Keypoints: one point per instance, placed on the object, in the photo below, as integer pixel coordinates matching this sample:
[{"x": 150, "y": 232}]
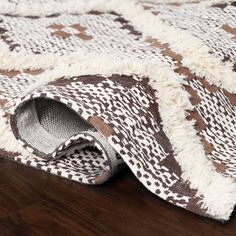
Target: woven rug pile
[{"x": 89, "y": 86}]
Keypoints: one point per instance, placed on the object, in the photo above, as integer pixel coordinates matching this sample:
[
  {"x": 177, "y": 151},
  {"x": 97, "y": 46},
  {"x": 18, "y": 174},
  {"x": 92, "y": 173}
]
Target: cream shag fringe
[
  {"x": 219, "y": 192},
  {"x": 73, "y": 6},
  {"x": 199, "y": 60}
]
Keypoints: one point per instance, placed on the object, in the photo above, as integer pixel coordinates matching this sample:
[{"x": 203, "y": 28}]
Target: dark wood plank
[
  {"x": 49, "y": 217},
  {"x": 16, "y": 191},
  {"x": 120, "y": 207}
]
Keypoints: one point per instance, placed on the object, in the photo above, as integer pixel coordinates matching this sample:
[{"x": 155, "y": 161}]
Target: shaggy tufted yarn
[{"x": 88, "y": 86}]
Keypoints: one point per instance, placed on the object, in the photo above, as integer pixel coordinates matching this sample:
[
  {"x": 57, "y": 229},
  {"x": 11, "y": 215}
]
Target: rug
[{"x": 90, "y": 86}]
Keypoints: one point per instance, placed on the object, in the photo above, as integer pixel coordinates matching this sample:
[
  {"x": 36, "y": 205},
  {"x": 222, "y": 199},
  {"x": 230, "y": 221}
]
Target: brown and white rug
[{"x": 88, "y": 86}]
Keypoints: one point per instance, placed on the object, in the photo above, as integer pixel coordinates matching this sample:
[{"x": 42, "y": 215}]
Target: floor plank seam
[{"x": 21, "y": 209}]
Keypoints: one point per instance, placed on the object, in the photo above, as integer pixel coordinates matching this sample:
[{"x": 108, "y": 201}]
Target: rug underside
[{"x": 89, "y": 86}]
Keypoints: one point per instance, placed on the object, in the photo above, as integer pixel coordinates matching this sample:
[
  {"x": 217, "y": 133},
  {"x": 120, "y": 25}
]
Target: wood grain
[{"x": 35, "y": 203}]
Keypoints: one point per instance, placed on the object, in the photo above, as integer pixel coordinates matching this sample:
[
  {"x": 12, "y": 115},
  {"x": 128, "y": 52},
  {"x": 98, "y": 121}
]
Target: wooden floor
[{"x": 35, "y": 203}]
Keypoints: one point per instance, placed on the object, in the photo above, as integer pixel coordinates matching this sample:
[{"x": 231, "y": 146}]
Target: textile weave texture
[{"x": 90, "y": 86}]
